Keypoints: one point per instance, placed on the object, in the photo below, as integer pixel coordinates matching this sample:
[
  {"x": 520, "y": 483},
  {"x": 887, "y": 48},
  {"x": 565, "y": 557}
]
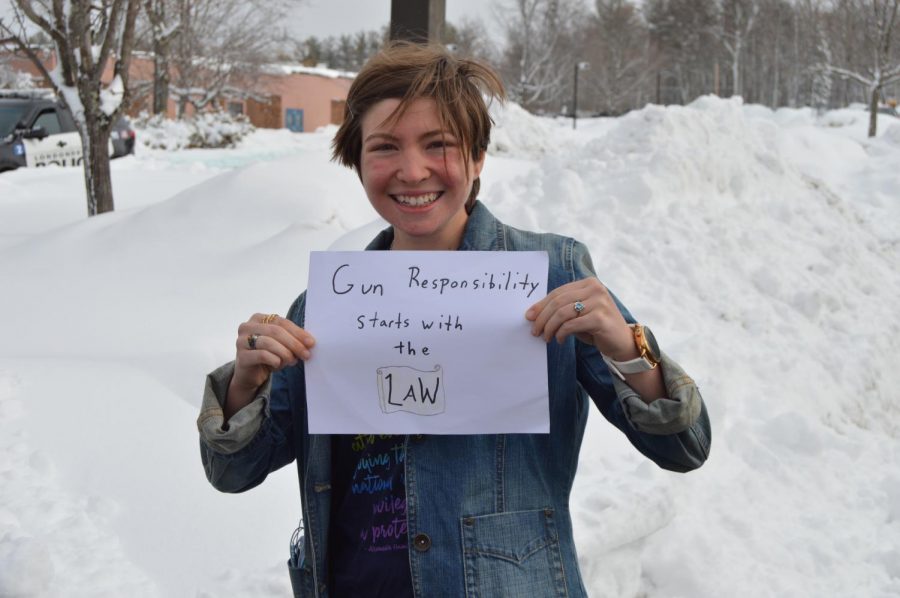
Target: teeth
[{"x": 417, "y": 200}]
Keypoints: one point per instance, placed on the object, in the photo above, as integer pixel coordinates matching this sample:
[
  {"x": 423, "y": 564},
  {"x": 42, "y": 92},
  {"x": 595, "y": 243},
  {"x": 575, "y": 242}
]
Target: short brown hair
[{"x": 408, "y": 72}]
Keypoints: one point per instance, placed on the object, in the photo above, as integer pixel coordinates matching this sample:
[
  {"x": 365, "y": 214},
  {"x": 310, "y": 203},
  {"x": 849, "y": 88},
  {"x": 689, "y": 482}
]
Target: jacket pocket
[
  {"x": 302, "y": 581},
  {"x": 512, "y": 555}
]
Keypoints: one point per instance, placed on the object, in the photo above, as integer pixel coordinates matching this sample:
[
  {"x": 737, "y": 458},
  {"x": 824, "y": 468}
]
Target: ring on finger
[
  {"x": 578, "y": 307},
  {"x": 270, "y": 318},
  {"x": 251, "y": 340}
]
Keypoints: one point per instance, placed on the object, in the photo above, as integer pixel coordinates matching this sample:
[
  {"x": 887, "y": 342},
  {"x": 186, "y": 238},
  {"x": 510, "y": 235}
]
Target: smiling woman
[
  {"x": 415, "y": 176},
  {"x": 472, "y": 515},
  {"x": 417, "y": 131}
]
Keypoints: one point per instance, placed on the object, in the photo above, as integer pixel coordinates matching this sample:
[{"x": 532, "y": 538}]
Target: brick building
[{"x": 292, "y": 96}]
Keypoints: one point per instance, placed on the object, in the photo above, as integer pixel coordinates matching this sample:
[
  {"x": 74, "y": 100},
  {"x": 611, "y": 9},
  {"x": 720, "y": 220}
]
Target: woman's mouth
[{"x": 418, "y": 200}]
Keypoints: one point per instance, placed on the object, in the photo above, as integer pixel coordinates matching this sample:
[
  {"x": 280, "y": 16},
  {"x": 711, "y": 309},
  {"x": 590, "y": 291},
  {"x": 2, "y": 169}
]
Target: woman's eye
[
  {"x": 440, "y": 144},
  {"x": 381, "y": 147}
]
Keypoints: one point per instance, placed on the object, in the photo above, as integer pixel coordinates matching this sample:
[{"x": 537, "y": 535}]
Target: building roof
[{"x": 319, "y": 71}]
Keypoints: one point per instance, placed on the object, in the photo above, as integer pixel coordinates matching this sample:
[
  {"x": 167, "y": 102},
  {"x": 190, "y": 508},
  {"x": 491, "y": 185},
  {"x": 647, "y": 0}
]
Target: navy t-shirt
[{"x": 367, "y": 543}]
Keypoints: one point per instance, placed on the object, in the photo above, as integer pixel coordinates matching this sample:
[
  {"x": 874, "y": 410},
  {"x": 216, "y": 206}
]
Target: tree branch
[
  {"x": 34, "y": 17},
  {"x": 123, "y": 63},
  {"x": 891, "y": 77},
  {"x": 108, "y": 33},
  {"x": 848, "y": 74}
]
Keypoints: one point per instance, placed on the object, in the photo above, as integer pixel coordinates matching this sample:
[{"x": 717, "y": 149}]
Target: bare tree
[
  {"x": 821, "y": 85},
  {"x": 881, "y": 22},
  {"x": 681, "y": 38},
  {"x": 468, "y": 38},
  {"x": 537, "y": 61},
  {"x": 221, "y": 48},
  {"x": 617, "y": 44},
  {"x": 736, "y": 21},
  {"x": 164, "y": 25},
  {"x": 771, "y": 51},
  {"x": 345, "y": 52},
  {"x": 86, "y": 35},
  {"x": 805, "y": 45}
]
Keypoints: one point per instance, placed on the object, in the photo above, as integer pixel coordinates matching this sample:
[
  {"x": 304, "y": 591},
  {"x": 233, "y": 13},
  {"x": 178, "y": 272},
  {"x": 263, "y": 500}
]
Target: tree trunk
[
  {"x": 775, "y": 67},
  {"x": 162, "y": 39},
  {"x": 97, "y": 178},
  {"x": 716, "y": 83},
  {"x": 160, "y": 78},
  {"x": 736, "y": 71},
  {"x": 873, "y": 112},
  {"x": 97, "y": 33}
]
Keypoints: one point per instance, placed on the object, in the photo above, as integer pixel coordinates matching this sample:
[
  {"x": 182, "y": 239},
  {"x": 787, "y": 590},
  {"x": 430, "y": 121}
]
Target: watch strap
[
  {"x": 632, "y": 366},
  {"x": 646, "y": 361}
]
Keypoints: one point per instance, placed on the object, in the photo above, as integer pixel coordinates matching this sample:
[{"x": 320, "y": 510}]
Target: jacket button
[
  {"x": 469, "y": 521},
  {"x": 422, "y": 542},
  {"x": 418, "y": 438}
]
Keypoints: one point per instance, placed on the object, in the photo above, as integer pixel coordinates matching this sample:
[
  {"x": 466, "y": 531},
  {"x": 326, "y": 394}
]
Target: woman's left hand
[{"x": 599, "y": 322}]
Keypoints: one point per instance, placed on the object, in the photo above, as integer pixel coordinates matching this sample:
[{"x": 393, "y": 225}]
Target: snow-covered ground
[{"x": 762, "y": 247}]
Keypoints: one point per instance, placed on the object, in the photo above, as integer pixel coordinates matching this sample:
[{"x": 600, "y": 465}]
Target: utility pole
[{"x": 419, "y": 21}]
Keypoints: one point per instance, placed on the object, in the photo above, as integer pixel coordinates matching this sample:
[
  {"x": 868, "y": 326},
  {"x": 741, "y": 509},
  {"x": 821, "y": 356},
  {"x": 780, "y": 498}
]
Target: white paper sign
[{"x": 426, "y": 342}]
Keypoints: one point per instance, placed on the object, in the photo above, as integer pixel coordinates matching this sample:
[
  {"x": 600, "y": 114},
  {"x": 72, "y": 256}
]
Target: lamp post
[{"x": 579, "y": 66}]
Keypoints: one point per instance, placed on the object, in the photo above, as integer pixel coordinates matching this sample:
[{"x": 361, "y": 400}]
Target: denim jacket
[{"x": 488, "y": 515}]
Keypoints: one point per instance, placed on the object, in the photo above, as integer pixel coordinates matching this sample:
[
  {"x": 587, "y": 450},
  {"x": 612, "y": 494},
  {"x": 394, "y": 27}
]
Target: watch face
[{"x": 652, "y": 345}]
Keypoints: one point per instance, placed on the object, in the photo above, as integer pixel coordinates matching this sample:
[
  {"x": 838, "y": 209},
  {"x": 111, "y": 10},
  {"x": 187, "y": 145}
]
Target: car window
[
  {"x": 9, "y": 117},
  {"x": 49, "y": 121}
]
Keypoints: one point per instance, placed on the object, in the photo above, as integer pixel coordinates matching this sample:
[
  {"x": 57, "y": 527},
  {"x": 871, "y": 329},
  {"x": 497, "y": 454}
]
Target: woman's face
[{"x": 414, "y": 175}]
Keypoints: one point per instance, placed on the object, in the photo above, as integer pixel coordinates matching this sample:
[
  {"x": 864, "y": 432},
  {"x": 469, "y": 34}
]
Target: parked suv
[{"x": 36, "y": 130}]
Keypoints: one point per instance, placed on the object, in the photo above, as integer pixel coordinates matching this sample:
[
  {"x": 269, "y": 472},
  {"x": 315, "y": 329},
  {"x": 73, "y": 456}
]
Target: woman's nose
[{"x": 413, "y": 167}]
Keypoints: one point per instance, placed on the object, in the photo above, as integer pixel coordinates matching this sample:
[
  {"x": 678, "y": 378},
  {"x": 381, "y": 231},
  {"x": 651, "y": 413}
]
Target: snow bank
[
  {"x": 761, "y": 280},
  {"x": 241, "y": 229},
  {"x": 53, "y": 542},
  {"x": 205, "y": 130},
  {"x": 892, "y": 133},
  {"x": 519, "y": 134}
]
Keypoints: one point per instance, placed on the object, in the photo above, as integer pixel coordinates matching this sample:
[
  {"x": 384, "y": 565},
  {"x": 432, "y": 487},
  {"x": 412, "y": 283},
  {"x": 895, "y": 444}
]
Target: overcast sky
[{"x": 334, "y": 17}]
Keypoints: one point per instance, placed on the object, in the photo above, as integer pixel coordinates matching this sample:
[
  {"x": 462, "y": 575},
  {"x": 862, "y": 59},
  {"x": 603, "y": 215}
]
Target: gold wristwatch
[{"x": 647, "y": 360}]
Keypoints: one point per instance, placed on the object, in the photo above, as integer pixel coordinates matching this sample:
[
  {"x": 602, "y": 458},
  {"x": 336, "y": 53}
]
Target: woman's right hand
[{"x": 265, "y": 343}]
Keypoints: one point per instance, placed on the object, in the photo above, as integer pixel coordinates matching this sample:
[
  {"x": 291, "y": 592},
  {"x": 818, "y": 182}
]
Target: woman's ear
[
  {"x": 473, "y": 195},
  {"x": 478, "y": 164}
]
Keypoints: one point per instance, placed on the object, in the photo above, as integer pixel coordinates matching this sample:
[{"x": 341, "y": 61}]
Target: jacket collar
[{"x": 483, "y": 233}]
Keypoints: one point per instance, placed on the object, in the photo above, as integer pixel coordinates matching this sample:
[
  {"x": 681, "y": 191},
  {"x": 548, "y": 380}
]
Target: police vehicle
[{"x": 36, "y": 130}]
